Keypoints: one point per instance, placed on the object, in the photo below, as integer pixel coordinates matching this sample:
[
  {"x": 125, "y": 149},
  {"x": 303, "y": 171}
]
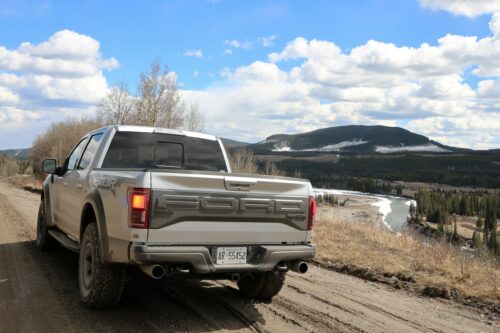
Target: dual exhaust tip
[
  {"x": 299, "y": 267},
  {"x": 159, "y": 271},
  {"x": 296, "y": 266},
  {"x": 154, "y": 271}
]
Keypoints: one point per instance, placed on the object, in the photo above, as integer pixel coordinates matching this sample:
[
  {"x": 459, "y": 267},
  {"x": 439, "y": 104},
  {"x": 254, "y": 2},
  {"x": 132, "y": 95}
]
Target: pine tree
[
  {"x": 455, "y": 232},
  {"x": 490, "y": 225},
  {"x": 476, "y": 240}
]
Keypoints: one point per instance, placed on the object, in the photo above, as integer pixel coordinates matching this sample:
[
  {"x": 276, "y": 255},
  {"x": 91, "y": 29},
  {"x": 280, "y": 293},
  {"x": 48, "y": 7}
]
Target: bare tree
[
  {"x": 243, "y": 161},
  {"x": 194, "y": 120},
  {"x": 117, "y": 107},
  {"x": 159, "y": 100},
  {"x": 58, "y": 140},
  {"x": 271, "y": 169},
  {"x": 8, "y": 166}
]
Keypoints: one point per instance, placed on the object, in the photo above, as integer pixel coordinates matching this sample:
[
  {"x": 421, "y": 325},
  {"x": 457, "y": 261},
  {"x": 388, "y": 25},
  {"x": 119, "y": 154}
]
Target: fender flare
[
  {"x": 45, "y": 198},
  {"x": 93, "y": 199}
]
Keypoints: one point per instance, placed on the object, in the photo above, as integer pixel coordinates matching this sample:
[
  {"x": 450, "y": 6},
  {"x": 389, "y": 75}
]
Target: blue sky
[
  {"x": 137, "y": 32},
  {"x": 227, "y": 38}
]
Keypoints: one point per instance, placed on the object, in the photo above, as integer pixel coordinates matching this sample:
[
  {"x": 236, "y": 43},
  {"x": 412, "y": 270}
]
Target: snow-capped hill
[{"x": 351, "y": 139}]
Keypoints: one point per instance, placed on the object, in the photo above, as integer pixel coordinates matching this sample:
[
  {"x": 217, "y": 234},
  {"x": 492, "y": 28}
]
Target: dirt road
[{"x": 39, "y": 293}]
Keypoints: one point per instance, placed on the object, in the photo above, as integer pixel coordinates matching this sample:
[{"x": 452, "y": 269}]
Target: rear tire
[
  {"x": 261, "y": 286},
  {"x": 101, "y": 285},
  {"x": 44, "y": 241}
]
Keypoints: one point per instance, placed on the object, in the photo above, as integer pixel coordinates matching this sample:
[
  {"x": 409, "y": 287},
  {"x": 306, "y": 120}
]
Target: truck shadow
[{"x": 170, "y": 304}]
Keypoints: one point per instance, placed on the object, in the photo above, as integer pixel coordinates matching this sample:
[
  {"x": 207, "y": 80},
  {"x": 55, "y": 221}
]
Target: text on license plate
[{"x": 231, "y": 255}]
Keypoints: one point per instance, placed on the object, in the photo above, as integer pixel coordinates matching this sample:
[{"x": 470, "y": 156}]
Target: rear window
[{"x": 129, "y": 150}]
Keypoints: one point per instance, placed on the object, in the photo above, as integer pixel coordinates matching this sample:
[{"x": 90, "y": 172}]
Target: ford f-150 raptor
[{"x": 165, "y": 200}]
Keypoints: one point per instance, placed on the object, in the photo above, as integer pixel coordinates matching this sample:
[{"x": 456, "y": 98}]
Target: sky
[{"x": 258, "y": 68}]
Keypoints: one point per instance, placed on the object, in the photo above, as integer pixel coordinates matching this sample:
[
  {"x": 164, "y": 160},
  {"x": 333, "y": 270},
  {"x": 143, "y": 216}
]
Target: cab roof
[{"x": 150, "y": 129}]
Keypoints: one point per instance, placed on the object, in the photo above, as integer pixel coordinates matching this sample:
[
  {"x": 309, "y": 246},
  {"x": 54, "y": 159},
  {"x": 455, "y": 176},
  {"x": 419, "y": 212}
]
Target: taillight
[
  {"x": 312, "y": 213},
  {"x": 138, "y": 213}
]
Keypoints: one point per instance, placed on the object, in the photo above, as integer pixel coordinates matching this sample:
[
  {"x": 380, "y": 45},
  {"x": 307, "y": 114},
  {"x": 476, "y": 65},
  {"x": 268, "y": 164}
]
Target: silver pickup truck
[{"x": 165, "y": 200}]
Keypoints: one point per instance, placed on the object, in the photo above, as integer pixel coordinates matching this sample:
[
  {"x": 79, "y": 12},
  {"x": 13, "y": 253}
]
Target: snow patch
[
  {"x": 343, "y": 144},
  {"x": 283, "y": 146},
  {"x": 429, "y": 147},
  {"x": 384, "y": 208},
  {"x": 411, "y": 202}
]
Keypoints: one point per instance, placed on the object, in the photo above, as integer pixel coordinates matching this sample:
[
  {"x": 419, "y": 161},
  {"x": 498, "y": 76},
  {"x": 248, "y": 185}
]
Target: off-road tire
[
  {"x": 261, "y": 286},
  {"x": 101, "y": 285},
  {"x": 44, "y": 241}
]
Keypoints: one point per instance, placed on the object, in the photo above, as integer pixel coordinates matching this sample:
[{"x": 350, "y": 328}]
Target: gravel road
[{"x": 39, "y": 293}]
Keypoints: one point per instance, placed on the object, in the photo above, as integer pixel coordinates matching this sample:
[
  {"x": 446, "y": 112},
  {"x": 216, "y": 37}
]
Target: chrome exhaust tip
[
  {"x": 299, "y": 267},
  {"x": 282, "y": 267},
  {"x": 154, "y": 271},
  {"x": 183, "y": 269}
]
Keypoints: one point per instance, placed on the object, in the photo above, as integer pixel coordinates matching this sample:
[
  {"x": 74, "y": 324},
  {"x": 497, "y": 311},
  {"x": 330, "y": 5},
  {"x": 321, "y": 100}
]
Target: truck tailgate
[{"x": 222, "y": 208}]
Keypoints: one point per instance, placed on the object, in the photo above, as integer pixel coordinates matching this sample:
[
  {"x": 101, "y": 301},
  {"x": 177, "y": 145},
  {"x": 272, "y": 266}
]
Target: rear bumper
[{"x": 200, "y": 258}]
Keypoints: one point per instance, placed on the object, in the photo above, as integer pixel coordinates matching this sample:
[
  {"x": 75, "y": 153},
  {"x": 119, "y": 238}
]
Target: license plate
[{"x": 231, "y": 255}]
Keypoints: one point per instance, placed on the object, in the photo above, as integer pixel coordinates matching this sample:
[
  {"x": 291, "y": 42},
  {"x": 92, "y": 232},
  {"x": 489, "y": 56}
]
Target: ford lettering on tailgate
[{"x": 230, "y": 204}]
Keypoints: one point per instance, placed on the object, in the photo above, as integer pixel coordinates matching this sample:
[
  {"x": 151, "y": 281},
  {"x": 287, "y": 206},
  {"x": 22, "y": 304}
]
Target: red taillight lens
[
  {"x": 138, "y": 215},
  {"x": 312, "y": 213}
]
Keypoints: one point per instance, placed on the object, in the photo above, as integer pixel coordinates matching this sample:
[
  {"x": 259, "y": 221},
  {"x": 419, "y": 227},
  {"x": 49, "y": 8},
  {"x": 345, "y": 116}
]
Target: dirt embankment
[{"x": 39, "y": 293}]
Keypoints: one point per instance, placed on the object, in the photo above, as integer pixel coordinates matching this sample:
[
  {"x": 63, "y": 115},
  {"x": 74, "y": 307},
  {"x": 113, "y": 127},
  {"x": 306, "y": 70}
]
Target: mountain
[
  {"x": 353, "y": 138},
  {"x": 21, "y": 154},
  {"x": 233, "y": 143}
]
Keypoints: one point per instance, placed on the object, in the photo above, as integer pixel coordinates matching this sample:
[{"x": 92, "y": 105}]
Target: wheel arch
[
  {"x": 93, "y": 209},
  {"x": 45, "y": 199}
]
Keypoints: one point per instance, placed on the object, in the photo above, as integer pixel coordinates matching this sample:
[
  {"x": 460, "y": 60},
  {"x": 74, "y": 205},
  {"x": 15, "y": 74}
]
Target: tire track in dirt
[
  {"x": 216, "y": 297},
  {"x": 385, "y": 310}
]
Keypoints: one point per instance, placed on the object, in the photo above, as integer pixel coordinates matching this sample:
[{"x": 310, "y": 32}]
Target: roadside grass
[
  {"x": 427, "y": 261},
  {"x": 27, "y": 182}
]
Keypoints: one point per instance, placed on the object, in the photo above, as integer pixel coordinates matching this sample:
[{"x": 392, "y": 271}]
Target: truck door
[
  {"x": 77, "y": 185},
  {"x": 65, "y": 187}
]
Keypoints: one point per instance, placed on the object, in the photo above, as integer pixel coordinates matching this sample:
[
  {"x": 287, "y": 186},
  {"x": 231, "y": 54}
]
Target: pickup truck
[{"x": 166, "y": 201}]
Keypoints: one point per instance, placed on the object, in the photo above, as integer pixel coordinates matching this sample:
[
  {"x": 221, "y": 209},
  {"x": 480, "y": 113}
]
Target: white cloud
[
  {"x": 470, "y": 8},
  {"x": 238, "y": 44},
  {"x": 45, "y": 82},
  {"x": 423, "y": 88},
  {"x": 194, "y": 53},
  {"x": 7, "y": 96},
  {"x": 267, "y": 41},
  {"x": 264, "y": 41}
]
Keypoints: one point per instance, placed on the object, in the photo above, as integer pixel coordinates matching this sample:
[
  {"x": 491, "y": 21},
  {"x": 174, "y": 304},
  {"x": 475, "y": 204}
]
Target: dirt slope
[{"x": 39, "y": 293}]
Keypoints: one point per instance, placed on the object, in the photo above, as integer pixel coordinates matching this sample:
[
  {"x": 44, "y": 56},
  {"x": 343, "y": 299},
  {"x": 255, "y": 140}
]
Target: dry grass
[
  {"x": 27, "y": 182},
  {"x": 428, "y": 261}
]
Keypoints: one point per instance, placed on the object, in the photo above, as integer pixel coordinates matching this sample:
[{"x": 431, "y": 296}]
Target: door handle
[{"x": 79, "y": 186}]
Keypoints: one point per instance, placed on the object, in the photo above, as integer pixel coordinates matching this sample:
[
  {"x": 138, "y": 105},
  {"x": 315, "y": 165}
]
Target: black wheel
[
  {"x": 101, "y": 285},
  {"x": 44, "y": 241},
  {"x": 261, "y": 286}
]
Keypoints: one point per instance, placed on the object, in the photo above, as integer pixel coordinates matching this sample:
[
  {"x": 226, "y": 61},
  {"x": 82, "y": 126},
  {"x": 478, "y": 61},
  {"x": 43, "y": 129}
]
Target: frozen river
[{"x": 395, "y": 210}]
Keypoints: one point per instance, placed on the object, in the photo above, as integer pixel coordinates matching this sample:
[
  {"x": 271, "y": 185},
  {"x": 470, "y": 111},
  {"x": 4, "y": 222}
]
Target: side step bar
[{"x": 64, "y": 240}]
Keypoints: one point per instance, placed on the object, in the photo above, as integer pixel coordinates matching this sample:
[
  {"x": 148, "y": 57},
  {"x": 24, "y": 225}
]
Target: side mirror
[
  {"x": 60, "y": 171},
  {"x": 49, "y": 165}
]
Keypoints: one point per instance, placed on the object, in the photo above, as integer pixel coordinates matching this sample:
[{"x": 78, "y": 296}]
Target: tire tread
[{"x": 107, "y": 285}]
